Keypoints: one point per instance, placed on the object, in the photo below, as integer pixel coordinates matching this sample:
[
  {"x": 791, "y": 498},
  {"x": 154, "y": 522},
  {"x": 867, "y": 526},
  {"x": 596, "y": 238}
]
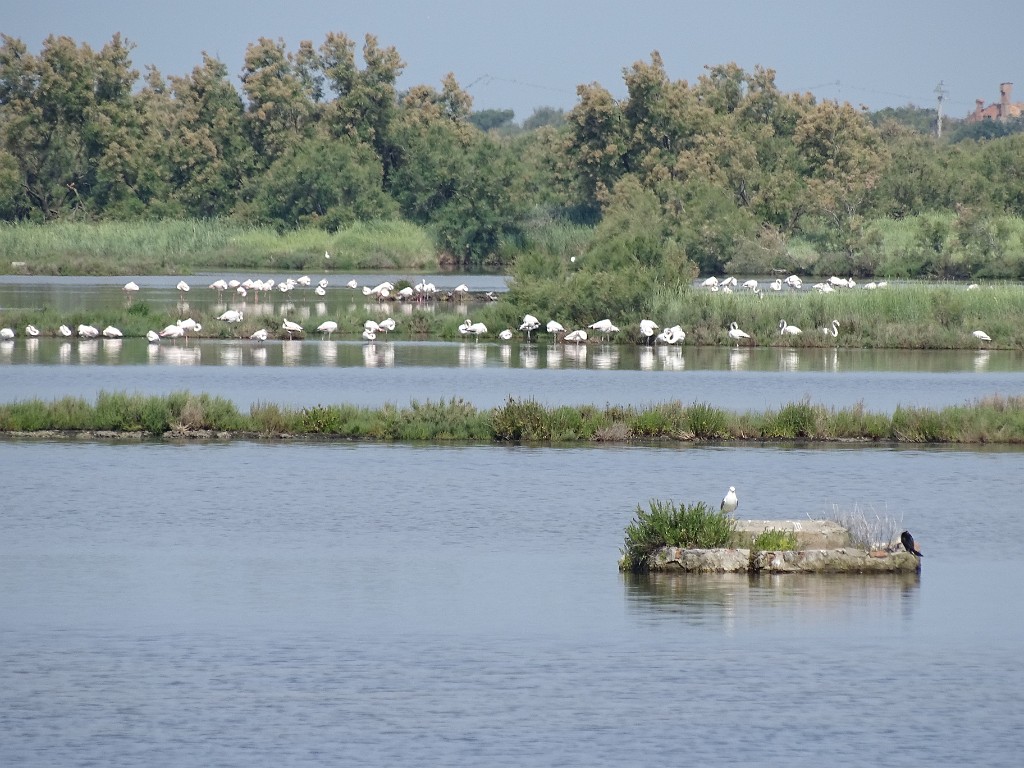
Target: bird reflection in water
[
  {"x": 6, "y": 350},
  {"x": 377, "y": 355},
  {"x": 671, "y": 359},
  {"x": 606, "y": 358},
  {"x": 553, "y": 358},
  {"x": 259, "y": 355},
  {"x": 506, "y": 355},
  {"x": 789, "y": 360},
  {"x": 738, "y": 359},
  {"x": 64, "y": 352},
  {"x": 31, "y": 349},
  {"x": 646, "y": 358},
  {"x": 981, "y": 360},
  {"x": 472, "y": 356},
  {"x": 87, "y": 351},
  {"x": 179, "y": 355},
  {"x": 328, "y": 352},
  {"x": 577, "y": 354},
  {"x": 111, "y": 350},
  {"x": 291, "y": 353},
  {"x": 528, "y": 357},
  {"x": 230, "y": 355}
]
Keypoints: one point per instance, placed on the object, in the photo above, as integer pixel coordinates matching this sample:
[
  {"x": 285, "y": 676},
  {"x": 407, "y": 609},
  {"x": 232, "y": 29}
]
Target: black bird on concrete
[{"x": 908, "y": 543}]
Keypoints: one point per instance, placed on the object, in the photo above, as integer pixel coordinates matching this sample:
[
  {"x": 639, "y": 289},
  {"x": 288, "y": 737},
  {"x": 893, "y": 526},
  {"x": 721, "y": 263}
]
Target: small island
[{"x": 695, "y": 539}]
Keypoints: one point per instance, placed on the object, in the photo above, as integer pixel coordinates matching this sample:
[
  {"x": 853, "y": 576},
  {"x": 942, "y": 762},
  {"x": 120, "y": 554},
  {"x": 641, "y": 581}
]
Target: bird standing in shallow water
[
  {"x": 908, "y": 544},
  {"x": 730, "y": 502}
]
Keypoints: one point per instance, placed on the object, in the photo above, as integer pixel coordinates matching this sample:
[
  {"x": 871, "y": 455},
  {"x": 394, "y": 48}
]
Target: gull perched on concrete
[{"x": 730, "y": 502}]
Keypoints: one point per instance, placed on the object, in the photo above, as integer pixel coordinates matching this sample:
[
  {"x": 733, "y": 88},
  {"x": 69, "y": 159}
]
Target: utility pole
[{"x": 941, "y": 93}]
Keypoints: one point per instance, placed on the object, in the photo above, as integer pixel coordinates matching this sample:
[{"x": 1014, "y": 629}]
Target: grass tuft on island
[
  {"x": 994, "y": 419},
  {"x": 694, "y": 526}
]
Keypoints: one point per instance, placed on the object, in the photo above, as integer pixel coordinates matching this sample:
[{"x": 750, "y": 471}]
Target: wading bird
[
  {"x": 832, "y": 330},
  {"x": 981, "y": 336},
  {"x": 736, "y": 334},
  {"x": 289, "y": 327},
  {"x": 787, "y": 329},
  {"x": 31, "y": 330},
  {"x": 328, "y": 327},
  {"x": 529, "y": 324},
  {"x": 260, "y": 335}
]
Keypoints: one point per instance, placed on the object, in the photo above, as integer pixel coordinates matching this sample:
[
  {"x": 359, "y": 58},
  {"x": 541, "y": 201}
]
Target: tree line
[{"x": 676, "y": 177}]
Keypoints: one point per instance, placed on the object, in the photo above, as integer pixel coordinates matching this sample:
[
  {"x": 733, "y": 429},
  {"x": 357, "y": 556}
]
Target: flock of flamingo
[{"x": 649, "y": 331}]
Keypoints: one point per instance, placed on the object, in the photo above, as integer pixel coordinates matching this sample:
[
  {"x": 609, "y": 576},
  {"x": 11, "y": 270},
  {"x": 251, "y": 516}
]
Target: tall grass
[
  {"x": 994, "y": 419},
  {"x": 694, "y": 526},
  {"x": 181, "y": 247}
]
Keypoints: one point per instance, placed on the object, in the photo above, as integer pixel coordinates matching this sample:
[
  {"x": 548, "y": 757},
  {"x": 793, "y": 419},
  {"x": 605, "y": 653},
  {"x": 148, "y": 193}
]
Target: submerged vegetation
[
  {"x": 694, "y": 526},
  {"x": 991, "y": 420}
]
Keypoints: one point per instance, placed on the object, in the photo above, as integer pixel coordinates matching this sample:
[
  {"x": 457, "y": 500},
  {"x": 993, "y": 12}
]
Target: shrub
[
  {"x": 520, "y": 420},
  {"x": 666, "y": 525},
  {"x": 706, "y": 422},
  {"x": 774, "y": 540}
]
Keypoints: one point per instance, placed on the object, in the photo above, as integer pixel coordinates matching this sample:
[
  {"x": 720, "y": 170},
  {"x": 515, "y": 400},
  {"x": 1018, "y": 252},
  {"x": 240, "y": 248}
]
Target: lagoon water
[{"x": 301, "y": 603}]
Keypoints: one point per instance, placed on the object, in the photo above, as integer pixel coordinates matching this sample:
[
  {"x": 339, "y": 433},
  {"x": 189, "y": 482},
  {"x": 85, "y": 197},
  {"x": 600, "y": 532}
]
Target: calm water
[
  {"x": 239, "y": 604},
  {"x": 232, "y": 604}
]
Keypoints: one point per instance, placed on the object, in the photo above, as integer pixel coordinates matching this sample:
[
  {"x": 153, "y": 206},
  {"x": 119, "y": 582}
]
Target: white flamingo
[
  {"x": 832, "y": 329},
  {"x": 505, "y": 335},
  {"x": 785, "y": 329},
  {"x": 369, "y": 335},
  {"x": 328, "y": 327},
  {"x": 88, "y": 331},
  {"x": 172, "y": 332},
  {"x": 31, "y": 330},
  {"x": 576, "y": 336},
  {"x": 6, "y": 334},
  {"x": 260, "y": 335},
  {"x": 183, "y": 288},
  {"x": 110, "y": 332},
  {"x": 387, "y": 325},
  {"x": 65, "y": 331},
  {"x": 736, "y": 334},
  {"x": 604, "y": 327},
  {"x": 981, "y": 335},
  {"x": 290, "y": 327},
  {"x": 647, "y": 329},
  {"x": 529, "y": 324}
]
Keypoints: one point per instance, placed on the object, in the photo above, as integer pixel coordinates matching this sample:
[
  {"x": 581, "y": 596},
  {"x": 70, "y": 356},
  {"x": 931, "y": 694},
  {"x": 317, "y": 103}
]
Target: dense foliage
[{"x": 725, "y": 173}]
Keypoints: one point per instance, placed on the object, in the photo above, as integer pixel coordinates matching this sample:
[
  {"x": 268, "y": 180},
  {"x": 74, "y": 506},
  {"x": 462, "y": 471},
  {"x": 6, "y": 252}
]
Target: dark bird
[{"x": 908, "y": 543}]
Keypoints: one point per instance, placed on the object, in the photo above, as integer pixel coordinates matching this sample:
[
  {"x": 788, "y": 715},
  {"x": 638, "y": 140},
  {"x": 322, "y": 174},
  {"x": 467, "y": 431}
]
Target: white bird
[
  {"x": 386, "y": 325},
  {"x": 777, "y": 284},
  {"x": 461, "y": 290},
  {"x": 711, "y": 282},
  {"x": 352, "y": 283},
  {"x": 305, "y": 281},
  {"x": 576, "y": 336},
  {"x": 230, "y": 316},
  {"x": 152, "y": 337},
  {"x": 788, "y": 330},
  {"x": 327, "y": 255},
  {"x": 31, "y": 330},
  {"x": 672, "y": 335},
  {"x": 320, "y": 291},
  {"x": 6, "y": 334},
  {"x": 172, "y": 332},
  {"x": 647, "y": 329},
  {"x": 730, "y": 502},
  {"x": 555, "y": 327},
  {"x": 832, "y": 329},
  {"x": 130, "y": 288},
  {"x": 793, "y": 282},
  {"x": 981, "y": 335},
  {"x": 529, "y": 324},
  {"x": 328, "y": 327},
  {"x": 371, "y": 325},
  {"x": 188, "y": 324},
  {"x": 750, "y": 285},
  {"x": 110, "y": 332},
  {"x": 219, "y": 285},
  {"x": 505, "y": 335},
  {"x": 260, "y": 335},
  {"x": 369, "y": 335},
  {"x": 182, "y": 287},
  {"x": 290, "y": 327},
  {"x": 64, "y": 331},
  {"x": 736, "y": 334},
  {"x": 477, "y": 329},
  {"x": 604, "y": 327},
  {"x": 88, "y": 331}
]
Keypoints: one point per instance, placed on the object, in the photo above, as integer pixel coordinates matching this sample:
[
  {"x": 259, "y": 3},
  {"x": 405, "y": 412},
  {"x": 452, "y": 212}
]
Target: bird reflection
[
  {"x": 112, "y": 349},
  {"x": 379, "y": 355},
  {"x": 981, "y": 360},
  {"x": 31, "y": 349},
  {"x": 528, "y": 357},
  {"x": 789, "y": 360},
  {"x": 646, "y": 358},
  {"x": 671, "y": 359},
  {"x": 87, "y": 351},
  {"x": 606, "y": 358},
  {"x": 6, "y": 350},
  {"x": 472, "y": 356},
  {"x": 328, "y": 352},
  {"x": 259, "y": 355},
  {"x": 738, "y": 359},
  {"x": 506, "y": 355},
  {"x": 291, "y": 353},
  {"x": 64, "y": 352},
  {"x": 577, "y": 353},
  {"x": 553, "y": 358},
  {"x": 179, "y": 355},
  {"x": 230, "y": 355}
]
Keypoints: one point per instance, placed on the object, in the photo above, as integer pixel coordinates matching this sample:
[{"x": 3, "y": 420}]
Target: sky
[{"x": 526, "y": 54}]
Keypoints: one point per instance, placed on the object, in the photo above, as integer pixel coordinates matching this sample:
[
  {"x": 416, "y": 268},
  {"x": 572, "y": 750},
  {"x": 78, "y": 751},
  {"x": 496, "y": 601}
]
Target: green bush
[
  {"x": 774, "y": 540},
  {"x": 665, "y": 525}
]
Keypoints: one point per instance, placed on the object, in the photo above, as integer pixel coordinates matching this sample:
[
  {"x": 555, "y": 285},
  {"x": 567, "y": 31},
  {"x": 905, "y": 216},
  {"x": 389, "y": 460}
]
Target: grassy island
[{"x": 182, "y": 414}]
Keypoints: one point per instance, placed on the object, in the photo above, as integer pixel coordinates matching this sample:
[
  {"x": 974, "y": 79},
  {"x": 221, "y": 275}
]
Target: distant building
[{"x": 1003, "y": 110}]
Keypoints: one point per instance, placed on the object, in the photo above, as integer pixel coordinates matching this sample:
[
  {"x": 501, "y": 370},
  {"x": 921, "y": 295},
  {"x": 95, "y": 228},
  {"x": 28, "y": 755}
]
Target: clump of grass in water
[
  {"x": 774, "y": 540},
  {"x": 695, "y": 526},
  {"x": 867, "y": 531}
]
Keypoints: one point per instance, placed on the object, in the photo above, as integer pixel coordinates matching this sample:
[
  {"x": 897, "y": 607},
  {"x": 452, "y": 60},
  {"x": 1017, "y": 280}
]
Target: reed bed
[
  {"x": 182, "y": 247},
  {"x": 996, "y": 420}
]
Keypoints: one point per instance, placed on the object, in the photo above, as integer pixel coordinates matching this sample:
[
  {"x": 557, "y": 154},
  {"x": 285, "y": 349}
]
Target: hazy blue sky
[{"x": 529, "y": 53}]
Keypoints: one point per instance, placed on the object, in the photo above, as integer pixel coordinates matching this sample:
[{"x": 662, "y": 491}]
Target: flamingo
[
  {"x": 130, "y": 288},
  {"x": 736, "y": 333},
  {"x": 387, "y": 324},
  {"x": 647, "y": 329},
  {"x": 64, "y": 331},
  {"x": 31, "y": 330},
  {"x": 794, "y": 282},
  {"x": 672, "y": 335},
  {"x": 786, "y": 329},
  {"x": 576, "y": 336},
  {"x": 833, "y": 329},
  {"x": 730, "y": 502},
  {"x": 88, "y": 331},
  {"x": 230, "y": 316},
  {"x": 529, "y": 324},
  {"x": 220, "y": 286},
  {"x": 461, "y": 290},
  {"x": 172, "y": 332},
  {"x": 183, "y": 288},
  {"x": 505, "y": 335},
  {"x": 604, "y": 327},
  {"x": 290, "y": 327},
  {"x": 477, "y": 329},
  {"x": 777, "y": 284},
  {"x": 152, "y": 337},
  {"x": 555, "y": 327},
  {"x": 328, "y": 327},
  {"x": 368, "y": 334},
  {"x": 305, "y": 281},
  {"x": 352, "y": 284},
  {"x": 981, "y": 335},
  {"x": 6, "y": 334},
  {"x": 110, "y": 332},
  {"x": 750, "y": 285},
  {"x": 260, "y": 335}
]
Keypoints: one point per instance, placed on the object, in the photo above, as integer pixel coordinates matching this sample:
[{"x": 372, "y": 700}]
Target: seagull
[
  {"x": 730, "y": 502},
  {"x": 786, "y": 329},
  {"x": 328, "y": 327},
  {"x": 908, "y": 544},
  {"x": 736, "y": 333},
  {"x": 981, "y": 335},
  {"x": 291, "y": 328}
]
